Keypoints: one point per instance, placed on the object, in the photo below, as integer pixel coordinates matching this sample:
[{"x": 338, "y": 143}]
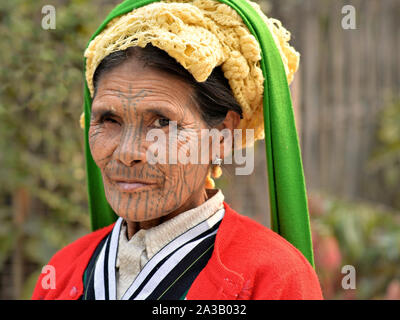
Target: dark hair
[{"x": 213, "y": 97}]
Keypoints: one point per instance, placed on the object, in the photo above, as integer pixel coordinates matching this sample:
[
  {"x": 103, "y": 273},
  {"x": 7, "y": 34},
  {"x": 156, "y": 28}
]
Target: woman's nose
[{"x": 130, "y": 149}]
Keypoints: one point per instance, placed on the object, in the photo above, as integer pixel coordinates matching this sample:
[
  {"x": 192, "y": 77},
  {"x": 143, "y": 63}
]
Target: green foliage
[
  {"x": 385, "y": 161},
  {"x": 368, "y": 238},
  {"x": 41, "y": 145}
]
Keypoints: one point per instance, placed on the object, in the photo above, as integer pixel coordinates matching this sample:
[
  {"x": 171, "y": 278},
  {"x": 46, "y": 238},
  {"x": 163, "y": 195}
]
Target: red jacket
[{"x": 249, "y": 261}]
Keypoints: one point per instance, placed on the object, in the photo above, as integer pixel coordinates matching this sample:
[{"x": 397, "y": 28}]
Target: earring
[
  {"x": 216, "y": 170},
  {"x": 210, "y": 184},
  {"x": 217, "y": 161}
]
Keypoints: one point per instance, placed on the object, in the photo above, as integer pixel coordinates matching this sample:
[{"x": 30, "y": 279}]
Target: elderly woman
[{"x": 176, "y": 70}]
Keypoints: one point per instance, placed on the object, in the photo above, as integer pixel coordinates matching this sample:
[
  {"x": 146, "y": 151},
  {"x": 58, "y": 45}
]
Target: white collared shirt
[{"x": 133, "y": 254}]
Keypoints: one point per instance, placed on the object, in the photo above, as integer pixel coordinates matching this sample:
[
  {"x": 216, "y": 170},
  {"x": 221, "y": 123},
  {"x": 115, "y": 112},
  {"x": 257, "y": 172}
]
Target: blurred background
[{"x": 346, "y": 97}]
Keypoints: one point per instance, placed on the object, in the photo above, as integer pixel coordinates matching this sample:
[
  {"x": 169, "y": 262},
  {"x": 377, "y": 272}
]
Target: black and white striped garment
[{"x": 168, "y": 275}]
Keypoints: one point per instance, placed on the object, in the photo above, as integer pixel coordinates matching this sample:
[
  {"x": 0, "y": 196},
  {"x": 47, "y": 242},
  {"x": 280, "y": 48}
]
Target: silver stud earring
[{"x": 217, "y": 161}]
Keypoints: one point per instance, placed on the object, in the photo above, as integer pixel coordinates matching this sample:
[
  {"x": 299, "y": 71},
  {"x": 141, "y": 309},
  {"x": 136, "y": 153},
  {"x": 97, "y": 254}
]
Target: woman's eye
[
  {"x": 109, "y": 119},
  {"x": 161, "y": 122}
]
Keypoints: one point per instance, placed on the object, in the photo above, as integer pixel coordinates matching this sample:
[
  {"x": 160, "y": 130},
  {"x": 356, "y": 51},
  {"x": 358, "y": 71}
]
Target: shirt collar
[{"x": 155, "y": 238}]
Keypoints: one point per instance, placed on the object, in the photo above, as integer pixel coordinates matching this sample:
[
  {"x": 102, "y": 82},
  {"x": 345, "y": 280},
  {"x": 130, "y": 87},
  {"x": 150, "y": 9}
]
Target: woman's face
[{"x": 130, "y": 101}]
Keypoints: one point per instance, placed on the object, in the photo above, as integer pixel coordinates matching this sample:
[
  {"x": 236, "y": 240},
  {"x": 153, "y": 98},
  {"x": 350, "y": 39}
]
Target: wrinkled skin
[{"x": 131, "y": 100}]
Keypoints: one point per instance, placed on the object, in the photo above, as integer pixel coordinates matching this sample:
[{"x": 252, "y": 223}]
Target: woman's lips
[
  {"x": 128, "y": 185},
  {"x": 131, "y": 186}
]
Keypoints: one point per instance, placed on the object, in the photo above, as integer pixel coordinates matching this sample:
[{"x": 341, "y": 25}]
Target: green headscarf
[{"x": 287, "y": 191}]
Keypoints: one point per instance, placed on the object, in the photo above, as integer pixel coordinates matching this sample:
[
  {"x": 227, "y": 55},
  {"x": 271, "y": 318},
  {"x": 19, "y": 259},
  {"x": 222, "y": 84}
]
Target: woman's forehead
[
  {"x": 132, "y": 76},
  {"x": 146, "y": 87}
]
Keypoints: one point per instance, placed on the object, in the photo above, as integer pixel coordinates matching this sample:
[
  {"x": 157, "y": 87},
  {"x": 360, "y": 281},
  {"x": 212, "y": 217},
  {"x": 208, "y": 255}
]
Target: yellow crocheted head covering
[{"x": 200, "y": 35}]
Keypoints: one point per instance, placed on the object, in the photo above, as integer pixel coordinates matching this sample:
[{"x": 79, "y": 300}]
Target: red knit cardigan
[{"x": 249, "y": 261}]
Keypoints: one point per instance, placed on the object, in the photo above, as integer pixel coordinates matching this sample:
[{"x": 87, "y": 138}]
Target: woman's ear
[
  {"x": 227, "y": 127},
  {"x": 231, "y": 121}
]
